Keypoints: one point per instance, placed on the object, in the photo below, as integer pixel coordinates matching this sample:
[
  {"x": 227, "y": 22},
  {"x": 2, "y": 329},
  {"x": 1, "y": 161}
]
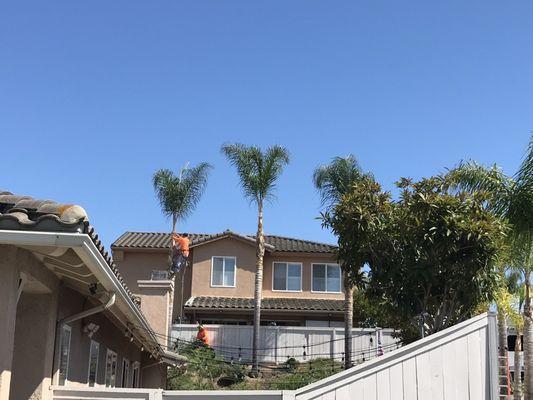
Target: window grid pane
[
  {"x": 294, "y": 277},
  {"x": 280, "y": 274},
  {"x": 319, "y": 277},
  {"x": 218, "y": 271}
]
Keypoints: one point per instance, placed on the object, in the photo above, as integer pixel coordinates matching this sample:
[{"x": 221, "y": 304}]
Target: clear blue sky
[{"x": 97, "y": 95}]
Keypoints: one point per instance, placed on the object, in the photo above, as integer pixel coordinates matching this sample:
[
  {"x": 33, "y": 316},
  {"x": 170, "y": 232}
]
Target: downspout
[
  {"x": 87, "y": 313},
  {"x": 75, "y": 317}
]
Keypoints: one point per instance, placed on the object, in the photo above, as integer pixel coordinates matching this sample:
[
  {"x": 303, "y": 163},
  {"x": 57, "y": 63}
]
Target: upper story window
[
  {"x": 223, "y": 271},
  {"x": 287, "y": 276},
  {"x": 326, "y": 278}
]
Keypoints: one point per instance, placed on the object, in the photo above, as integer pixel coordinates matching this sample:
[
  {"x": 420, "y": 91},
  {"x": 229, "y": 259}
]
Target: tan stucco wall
[
  {"x": 109, "y": 336},
  {"x": 27, "y": 328},
  {"x": 155, "y": 303},
  {"x": 245, "y": 263},
  {"x": 28, "y": 331},
  {"x": 34, "y": 344},
  {"x": 138, "y": 264}
]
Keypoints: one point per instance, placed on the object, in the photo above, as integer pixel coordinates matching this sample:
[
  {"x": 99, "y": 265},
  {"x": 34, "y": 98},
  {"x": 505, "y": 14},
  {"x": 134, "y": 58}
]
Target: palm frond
[
  {"x": 257, "y": 171},
  {"x": 520, "y": 212},
  {"x": 473, "y": 177},
  {"x": 179, "y": 195},
  {"x": 333, "y": 180}
]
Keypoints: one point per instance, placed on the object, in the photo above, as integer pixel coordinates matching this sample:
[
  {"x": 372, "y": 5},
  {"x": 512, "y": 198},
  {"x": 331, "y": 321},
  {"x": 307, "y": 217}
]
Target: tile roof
[
  {"x": 268, "y": 303},
  {"x": 161, "y": 240},
  {"x": 27, "y": 213}
]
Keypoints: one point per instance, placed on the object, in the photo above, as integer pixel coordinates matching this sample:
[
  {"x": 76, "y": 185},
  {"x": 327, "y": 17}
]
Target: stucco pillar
[
  {"x": 34, "y": 346},
  {"x": 9, "y": 282},
  {"x": 156, "y": 305}
]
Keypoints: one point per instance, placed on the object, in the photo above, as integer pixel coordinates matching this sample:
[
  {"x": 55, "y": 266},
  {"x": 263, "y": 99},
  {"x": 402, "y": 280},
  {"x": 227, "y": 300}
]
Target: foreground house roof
[
  {"x": 161, "y": 240},
  {"x": 61, "y": 236},
  {"x": 267, "y": 304}
]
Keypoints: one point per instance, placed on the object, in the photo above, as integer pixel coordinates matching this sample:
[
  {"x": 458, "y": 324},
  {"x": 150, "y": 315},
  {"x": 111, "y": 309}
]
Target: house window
[
  {"x": 223, "y": 271},
  {"x": 64, "y": 354},
  {"x": 110, "y": 368},
  {"x": 93, "y": 363},
  {"x": 135, "y": 375},
  {"x": 287, "y": 277},
  {"x": 326, "y": 278},
  {"x": 125, "y": 372}
]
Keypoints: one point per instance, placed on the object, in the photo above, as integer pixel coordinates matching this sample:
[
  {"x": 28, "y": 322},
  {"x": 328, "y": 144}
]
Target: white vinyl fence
[
  {"x": 279, "y": 343},
  {"x": 62, "y": 393},
  {"x": 459, "y": 363}
]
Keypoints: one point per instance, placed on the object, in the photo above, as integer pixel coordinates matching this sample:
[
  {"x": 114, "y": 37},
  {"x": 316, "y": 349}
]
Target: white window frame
[
  {"x": 327, "y": 266},
  {"x": 287, "y": 276},
  {"x": 96, "y": 367},
  {"x": 223, "y": 271},
  {"x": 125, "y": 363},
  {"x": 113, "y": 353},
  {"x": 69, "y": 329},
  {"x": 135, "y": 382}
]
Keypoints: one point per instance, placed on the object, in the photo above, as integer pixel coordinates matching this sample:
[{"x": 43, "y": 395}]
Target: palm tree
[
  {"x": 332, "y": 182},
  {"x": 178, "y": 196},
  {"x": 512, "y": 200},
  {"x": 258, "y": 172}
]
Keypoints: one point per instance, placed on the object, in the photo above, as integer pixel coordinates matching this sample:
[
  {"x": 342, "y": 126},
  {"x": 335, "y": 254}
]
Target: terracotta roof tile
[
  {"x": 27, "y": 213},
  {"x": 160, "y": 240},
  {"x": 269, "y": 303}
]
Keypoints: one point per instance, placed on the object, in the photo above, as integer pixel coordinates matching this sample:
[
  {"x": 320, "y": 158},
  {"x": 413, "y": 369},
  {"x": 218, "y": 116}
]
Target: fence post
[{"x": 287, "y": 395}]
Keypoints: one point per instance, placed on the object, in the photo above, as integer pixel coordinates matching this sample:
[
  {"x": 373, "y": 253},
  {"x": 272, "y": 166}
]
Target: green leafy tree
[
  {"x": 333, "y": 181},
  {"x": 431, "y": 253},
  {"x": 258, "y": 173},
  {"x": 512, "y": 200},
  {"x": 178, "y": 197}
]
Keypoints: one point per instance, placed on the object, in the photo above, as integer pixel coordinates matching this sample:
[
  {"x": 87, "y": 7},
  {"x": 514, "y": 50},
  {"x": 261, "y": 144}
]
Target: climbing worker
[{"x": 180, "y": 251}]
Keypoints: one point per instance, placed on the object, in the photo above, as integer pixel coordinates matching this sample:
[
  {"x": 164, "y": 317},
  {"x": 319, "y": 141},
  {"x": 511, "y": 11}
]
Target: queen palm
[
  {"x": 258, "y": 172},
  {"x": 178, "y": 197},
  {"x": 332, "y": 182},
  {"x": 512, "y": 199}
]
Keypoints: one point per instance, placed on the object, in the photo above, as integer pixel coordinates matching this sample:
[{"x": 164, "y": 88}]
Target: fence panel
[
  {"x": 279, "y": 343},
  {"x": 457, "y": 363}
]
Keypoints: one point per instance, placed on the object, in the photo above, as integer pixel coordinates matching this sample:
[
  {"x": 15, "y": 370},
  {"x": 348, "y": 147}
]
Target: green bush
[{"x": 203, "y": 370}]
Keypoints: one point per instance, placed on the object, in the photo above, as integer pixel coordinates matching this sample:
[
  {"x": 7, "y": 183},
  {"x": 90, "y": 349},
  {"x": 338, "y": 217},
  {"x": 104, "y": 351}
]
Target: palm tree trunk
[
  {"x": 260, "y": 242},
  {"x": 528, "y": 342},
  {"x": 502, "y": 352},
  {"x": 517, "y": 392},
  {"x": 348, "y": 323}
]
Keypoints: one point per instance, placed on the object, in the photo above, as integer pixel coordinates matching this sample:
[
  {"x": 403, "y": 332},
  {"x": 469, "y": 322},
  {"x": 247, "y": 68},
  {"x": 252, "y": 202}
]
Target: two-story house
[{"x": 302, "y": 282}]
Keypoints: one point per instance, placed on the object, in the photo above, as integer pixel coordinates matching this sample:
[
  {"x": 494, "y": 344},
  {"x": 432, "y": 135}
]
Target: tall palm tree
[
  {"x": 332, "y": 182},
  {"x": 512, "y": 199},
  {"x": 178, "y": 197},
  {"x": 258, "y": 172}
]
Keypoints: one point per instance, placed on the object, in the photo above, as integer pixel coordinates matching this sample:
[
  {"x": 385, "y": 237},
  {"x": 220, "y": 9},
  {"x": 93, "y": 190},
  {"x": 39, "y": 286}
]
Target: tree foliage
[
  {"x": 429, "y": 253},
  {"x": 179, "y": 195}
]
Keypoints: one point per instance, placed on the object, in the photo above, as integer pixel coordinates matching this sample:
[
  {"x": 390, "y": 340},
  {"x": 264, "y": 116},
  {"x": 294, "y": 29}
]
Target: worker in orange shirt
[
  {"x": 202, "y": 335},
  {"x": 180, "y": 251}
]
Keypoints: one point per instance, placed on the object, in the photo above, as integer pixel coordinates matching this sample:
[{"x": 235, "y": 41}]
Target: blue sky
[{"x": 97, "y": 95}]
